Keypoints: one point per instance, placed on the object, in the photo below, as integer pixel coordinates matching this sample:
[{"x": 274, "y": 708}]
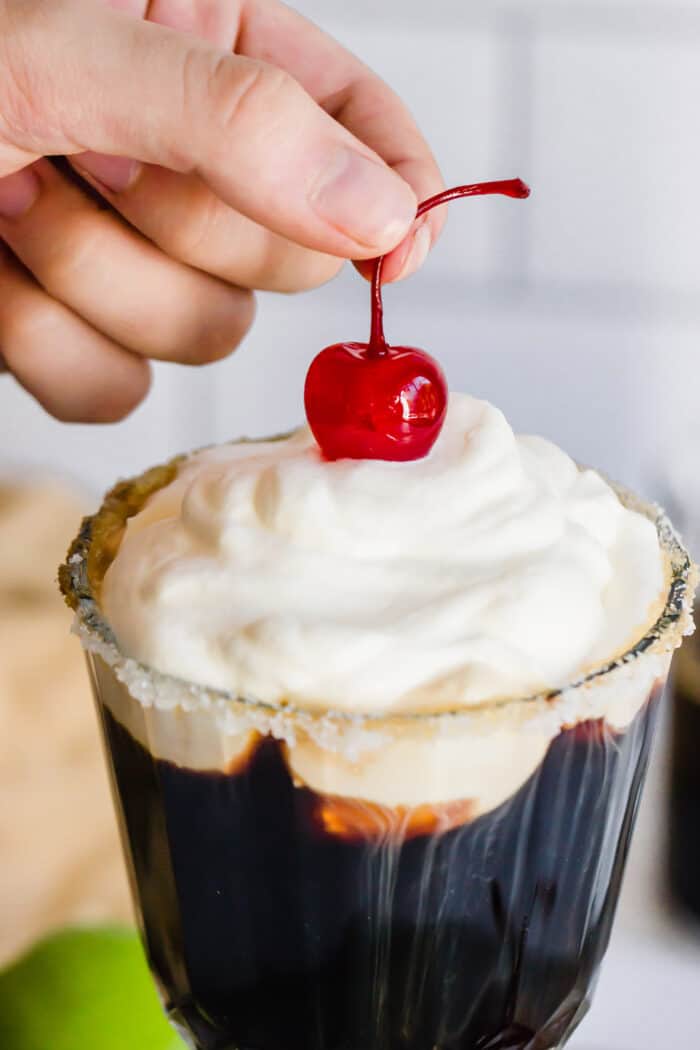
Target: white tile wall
[
  {"x": 461, "y": 73},
  {"x": 94, "y": 456},
  {"x": 614, "y": 163},
  {"x": 453, "y": 85}
]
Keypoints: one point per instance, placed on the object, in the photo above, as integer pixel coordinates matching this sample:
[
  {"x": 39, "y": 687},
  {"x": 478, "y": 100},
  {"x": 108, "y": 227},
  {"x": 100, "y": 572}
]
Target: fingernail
[
  {"x": 114, "y": 173},
  {"x": 365, "y": 200},
  {"x": 18, "y": 192},
  {"x": 419, "y": 251}
]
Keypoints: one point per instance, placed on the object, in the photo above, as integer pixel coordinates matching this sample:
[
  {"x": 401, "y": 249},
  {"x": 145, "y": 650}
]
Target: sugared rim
[{"x": 661, "y": 638}]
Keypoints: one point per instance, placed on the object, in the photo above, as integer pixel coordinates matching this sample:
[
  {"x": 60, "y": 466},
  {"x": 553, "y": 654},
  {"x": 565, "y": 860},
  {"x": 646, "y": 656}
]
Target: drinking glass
[
  {"x": 310, "y": 880},
  {"x": 684, "y": 781}
]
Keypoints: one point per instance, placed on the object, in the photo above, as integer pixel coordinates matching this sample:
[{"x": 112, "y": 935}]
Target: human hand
[{"x": 244, "y": 148}]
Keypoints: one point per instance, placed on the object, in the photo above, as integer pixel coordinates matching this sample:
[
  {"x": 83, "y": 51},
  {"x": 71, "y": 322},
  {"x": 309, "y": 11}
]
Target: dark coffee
[
  {"x": 268, "y": 930},
  {"x": 684, "y": 828}
]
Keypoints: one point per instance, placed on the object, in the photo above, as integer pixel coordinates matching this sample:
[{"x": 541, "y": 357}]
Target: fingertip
[
  {"x": 92, "y": 397},
  {"x": 112, "y": 404},
  {"x": 419, "y": 244},
  {"x": 216, "y": 333},
  {"x": 365, "y": 200},
  {"x": 313, "y": 270},
  {"x": 405, "y": 259}
]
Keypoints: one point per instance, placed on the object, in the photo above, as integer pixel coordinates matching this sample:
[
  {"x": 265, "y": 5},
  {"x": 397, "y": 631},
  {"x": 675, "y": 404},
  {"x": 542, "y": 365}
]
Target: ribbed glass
[{"x": 281, "y": 916}]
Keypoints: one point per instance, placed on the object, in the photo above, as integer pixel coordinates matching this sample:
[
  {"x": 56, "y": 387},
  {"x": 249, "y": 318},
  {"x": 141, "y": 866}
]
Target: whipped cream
[{"x": 492, "y": 568}]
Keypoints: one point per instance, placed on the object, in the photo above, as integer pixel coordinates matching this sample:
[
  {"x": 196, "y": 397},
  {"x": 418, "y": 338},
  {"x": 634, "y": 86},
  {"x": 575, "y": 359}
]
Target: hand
[{"x": 244, "y": 148}]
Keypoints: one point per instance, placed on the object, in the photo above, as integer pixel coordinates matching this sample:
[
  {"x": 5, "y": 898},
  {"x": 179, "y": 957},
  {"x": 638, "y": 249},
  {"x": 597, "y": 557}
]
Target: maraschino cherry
[{"x": 375, "y": 401}]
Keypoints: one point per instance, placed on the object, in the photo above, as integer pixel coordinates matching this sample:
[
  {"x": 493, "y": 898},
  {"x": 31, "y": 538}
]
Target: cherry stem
[{"x": 507, "y": 187}]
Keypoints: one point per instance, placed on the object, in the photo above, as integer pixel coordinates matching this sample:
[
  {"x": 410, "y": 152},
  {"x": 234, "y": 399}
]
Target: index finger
[{"x": 357, "y": 98}]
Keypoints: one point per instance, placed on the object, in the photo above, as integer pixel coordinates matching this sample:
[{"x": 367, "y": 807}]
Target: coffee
[
  {"x": 269, "y": 927},
  {"x": 684, "y": 824}
]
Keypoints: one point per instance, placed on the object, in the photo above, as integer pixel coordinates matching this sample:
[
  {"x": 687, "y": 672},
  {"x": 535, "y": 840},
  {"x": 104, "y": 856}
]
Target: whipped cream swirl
[{"x": 492, "y": 568}]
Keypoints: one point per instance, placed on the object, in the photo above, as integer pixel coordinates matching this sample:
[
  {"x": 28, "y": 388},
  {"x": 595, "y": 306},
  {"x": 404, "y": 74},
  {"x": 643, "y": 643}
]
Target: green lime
[{"x": 83, "y": 989}]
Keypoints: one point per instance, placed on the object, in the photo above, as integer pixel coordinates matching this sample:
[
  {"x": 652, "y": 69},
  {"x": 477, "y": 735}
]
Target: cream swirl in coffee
[{"x": 492, "y": 568}]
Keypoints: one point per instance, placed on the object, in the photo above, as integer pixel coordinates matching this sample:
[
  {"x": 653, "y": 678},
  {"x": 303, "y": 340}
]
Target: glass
[
  {"x": 684, "y": 818},
  {"x": 281, "y": 910},
  {"x": 684, "y": 794}
]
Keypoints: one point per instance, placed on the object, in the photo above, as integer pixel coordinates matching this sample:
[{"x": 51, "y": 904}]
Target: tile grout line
[
  {"x": 514, "y": 120},
  {"x": 659, "y": 23}
]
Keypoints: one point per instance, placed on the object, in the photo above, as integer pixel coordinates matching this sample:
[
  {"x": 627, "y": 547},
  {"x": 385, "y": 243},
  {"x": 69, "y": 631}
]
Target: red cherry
[
  {"x": 375, "y": 401},
  {"x": 365, "y": 405}
]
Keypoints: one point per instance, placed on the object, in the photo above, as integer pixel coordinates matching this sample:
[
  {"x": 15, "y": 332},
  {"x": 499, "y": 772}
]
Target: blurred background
[{"x": 578, "y": 313}]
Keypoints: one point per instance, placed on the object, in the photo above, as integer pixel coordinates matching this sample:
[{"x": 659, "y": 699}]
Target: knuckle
[
  {"x": 189, "y": 239},
  {"x": 237, "y": 93},
  {"x": 266, "y": 91},
  {"x": 235, "y": 89},
  {"x": 27, "y": 324},
  {"x": 71, "y": 257}
]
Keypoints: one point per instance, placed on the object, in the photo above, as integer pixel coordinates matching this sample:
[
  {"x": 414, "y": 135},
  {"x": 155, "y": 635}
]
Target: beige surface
[{"x": 59, "y": 851}]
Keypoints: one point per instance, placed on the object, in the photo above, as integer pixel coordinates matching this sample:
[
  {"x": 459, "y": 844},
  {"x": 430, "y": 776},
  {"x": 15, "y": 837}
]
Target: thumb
[{"x": 76, "y": 76}]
